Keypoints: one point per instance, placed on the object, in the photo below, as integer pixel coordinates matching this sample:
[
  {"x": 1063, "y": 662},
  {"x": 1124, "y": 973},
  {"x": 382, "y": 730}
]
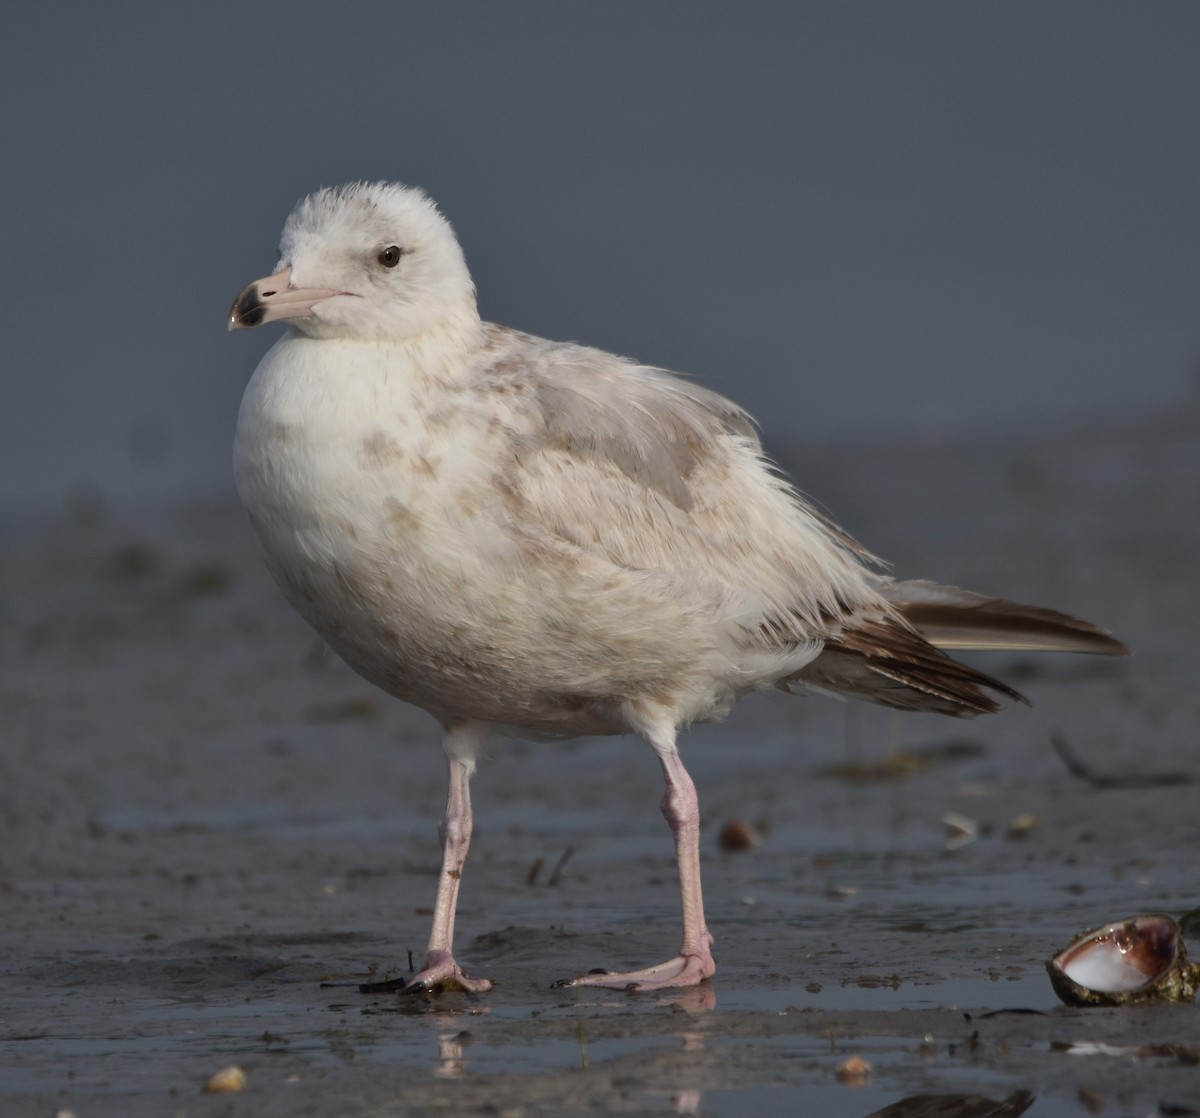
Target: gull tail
[{"x": 899, "y": 661}]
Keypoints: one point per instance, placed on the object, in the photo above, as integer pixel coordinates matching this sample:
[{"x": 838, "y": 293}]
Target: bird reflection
[{"x": 451, "y": 1056}]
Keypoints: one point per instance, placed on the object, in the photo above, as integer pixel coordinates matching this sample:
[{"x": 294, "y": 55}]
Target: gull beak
[{"x": 274, "y": 298}]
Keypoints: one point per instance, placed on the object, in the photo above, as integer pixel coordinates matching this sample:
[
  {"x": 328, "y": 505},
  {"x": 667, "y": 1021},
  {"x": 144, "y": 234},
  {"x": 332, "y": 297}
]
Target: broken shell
[{"x": 1141, "y": 959}]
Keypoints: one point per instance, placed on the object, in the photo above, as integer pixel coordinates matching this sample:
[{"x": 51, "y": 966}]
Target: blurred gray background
[{"x": 928, "y": 217}]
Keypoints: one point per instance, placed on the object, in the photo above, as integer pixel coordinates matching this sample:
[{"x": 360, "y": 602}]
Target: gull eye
[{"x": 389, "y": 257}]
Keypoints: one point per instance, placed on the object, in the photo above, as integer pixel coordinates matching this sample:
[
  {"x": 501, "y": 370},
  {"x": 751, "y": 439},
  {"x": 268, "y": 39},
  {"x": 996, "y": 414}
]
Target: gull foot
[
  {"x": 439, "y": 972},
  {"x": 683, "y": 970}
]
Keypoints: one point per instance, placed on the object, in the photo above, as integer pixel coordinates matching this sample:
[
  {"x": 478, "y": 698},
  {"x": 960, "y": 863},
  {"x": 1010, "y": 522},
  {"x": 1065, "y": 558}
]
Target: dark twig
[{"x": 1076, "y": 767}]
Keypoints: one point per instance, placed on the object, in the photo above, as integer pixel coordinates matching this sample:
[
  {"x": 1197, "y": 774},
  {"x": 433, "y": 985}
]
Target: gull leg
[
  {"x": 681, "y": 809},
  {"x": 462, "y": 742}
]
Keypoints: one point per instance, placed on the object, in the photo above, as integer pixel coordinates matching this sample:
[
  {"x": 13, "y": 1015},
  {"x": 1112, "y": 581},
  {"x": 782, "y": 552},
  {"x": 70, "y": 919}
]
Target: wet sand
[{"x": 212, "y": 833}]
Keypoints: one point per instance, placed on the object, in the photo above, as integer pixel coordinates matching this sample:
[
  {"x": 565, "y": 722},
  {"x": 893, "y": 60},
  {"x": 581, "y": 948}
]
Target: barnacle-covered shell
[{"x": 1141, "y": 959}]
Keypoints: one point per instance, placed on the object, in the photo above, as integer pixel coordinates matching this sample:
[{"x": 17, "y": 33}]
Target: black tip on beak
[{"x": 247, "y": 310}]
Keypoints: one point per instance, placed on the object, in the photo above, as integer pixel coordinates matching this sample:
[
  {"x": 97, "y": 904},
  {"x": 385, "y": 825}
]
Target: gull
[{"x": 545, "y": 540}]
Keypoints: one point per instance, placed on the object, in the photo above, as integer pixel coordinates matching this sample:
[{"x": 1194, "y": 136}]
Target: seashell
[{"x": 1141, "y": 959}]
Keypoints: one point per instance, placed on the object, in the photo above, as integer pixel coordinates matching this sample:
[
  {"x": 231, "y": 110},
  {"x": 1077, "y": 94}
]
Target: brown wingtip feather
[
  {"x": 900, "y": 661},
  {"x": 888, "y": 663},
  {"x": 994, "y": 623}
]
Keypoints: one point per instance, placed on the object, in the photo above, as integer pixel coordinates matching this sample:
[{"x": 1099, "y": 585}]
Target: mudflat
[{"x": 213, "y": 832}]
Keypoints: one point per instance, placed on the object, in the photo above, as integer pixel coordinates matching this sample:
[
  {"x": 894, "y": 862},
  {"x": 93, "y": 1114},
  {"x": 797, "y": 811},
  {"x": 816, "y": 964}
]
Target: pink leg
[
  {"x": 681, "y": 808},
  {"x": 462, "y": 743}
]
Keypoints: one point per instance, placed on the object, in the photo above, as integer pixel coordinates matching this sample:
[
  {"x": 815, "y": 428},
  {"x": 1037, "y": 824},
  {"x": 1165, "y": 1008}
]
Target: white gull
[{"x": 547, "y": 540}]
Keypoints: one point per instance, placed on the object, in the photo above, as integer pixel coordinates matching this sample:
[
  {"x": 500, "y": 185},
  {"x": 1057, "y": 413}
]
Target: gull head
[{"x": 369, "y": 261}]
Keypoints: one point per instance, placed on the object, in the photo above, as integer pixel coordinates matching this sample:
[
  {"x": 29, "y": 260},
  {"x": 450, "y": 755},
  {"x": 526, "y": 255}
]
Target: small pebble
[
  {"x": 226, "y": 1080},
  {"x": 736, "y": 835},
  {"x": 1021, "y": 825},
  {"x": 854, "y": 1072}
]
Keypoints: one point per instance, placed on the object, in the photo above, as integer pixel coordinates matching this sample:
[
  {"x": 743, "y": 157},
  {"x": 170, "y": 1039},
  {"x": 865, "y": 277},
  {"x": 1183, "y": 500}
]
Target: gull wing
[{"x": 654, "y": 473}]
